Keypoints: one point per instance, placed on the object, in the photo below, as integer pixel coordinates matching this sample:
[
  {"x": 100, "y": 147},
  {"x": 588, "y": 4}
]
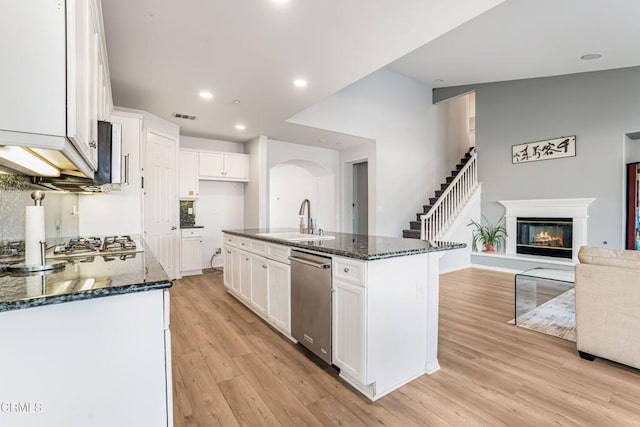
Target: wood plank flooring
[{"x": 230, "y": 368}]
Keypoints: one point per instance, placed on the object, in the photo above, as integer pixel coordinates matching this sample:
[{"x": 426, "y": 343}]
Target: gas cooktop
[{"x": 87, "y": 246}]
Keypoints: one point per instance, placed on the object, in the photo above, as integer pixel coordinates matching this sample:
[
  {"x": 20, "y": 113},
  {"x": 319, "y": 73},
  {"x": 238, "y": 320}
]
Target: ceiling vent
[{"x": 184, "y": 116}]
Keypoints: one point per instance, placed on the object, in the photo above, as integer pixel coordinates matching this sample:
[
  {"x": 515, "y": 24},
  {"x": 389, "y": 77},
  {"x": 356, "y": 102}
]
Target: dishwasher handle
[{"x": 320, "y": 265}]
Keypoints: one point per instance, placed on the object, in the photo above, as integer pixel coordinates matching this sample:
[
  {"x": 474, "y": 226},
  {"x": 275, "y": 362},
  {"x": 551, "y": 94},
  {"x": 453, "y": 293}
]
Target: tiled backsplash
[
  {"x": 187, "y": 219},
  {"x": 61, "y": 218}
]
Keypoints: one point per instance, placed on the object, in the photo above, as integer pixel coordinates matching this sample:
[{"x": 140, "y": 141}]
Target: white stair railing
[{"x": 436, "y": 222}]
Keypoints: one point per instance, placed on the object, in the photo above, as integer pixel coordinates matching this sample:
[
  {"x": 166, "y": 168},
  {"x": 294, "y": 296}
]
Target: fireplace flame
[{"x": 545, "y": 239}]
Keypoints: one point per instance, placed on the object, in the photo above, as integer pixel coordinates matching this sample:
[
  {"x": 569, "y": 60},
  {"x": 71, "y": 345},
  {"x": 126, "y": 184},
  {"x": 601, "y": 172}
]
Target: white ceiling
[
  {"x": 521, "y": 39},
  {"x": 163, "y": 53}
]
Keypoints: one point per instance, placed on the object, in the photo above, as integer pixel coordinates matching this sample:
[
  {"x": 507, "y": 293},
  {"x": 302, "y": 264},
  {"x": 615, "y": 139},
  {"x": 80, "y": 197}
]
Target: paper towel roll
[{"x": 34, "y": 222}]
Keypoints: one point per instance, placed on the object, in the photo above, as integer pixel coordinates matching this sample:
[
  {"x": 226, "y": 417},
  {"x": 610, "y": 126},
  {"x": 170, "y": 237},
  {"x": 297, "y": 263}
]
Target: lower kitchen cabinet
[
  {"x": 259, "y": 276},
  {"x": 191, "y": 252},
  {"x": 259, "y": 283},
  {"x": 348, "y": 329},
  {"x": 279, "y": 280}
]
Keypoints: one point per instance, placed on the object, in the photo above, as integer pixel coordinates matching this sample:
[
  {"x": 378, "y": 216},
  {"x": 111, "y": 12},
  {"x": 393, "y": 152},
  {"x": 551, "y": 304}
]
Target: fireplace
[
  {"x": 552, "y": 237},
  {"x": 555, "y": 209}
]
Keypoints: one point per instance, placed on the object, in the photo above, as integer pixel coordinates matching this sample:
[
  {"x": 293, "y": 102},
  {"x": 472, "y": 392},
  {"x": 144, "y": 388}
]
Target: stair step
[
  {"x": 432, "y": 200},
  {"x": 459, "y": 166},
  {"x": 450, "y": 178},
  {"x": 411, "y": 234},
  {"x": 439, "y": 193},
  {"x": 445, "y": 185},
  {"x": 426, "y": 208},
  {"x": 419, "y": 216},
  {"x": 415, "y": 225}
]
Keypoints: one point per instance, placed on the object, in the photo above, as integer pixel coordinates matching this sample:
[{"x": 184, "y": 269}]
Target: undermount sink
[{"x": 293, "y": 236}]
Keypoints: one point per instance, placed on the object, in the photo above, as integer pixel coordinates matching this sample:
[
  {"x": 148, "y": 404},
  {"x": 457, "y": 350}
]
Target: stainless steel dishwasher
[{"x": 311, "y": 302}]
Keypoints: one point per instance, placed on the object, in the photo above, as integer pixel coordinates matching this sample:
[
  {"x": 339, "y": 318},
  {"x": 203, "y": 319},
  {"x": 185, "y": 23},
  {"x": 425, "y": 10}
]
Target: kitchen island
[
  {"x": 384, "y": 296},
  {"x": 88, "y": 345}
]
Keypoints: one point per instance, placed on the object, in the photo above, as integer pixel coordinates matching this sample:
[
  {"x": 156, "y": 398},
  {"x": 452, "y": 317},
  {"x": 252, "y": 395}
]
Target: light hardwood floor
[{"x": 230, "y": 368}]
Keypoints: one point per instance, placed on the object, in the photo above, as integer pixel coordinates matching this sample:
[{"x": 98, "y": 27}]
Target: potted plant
[{"x": 491, "y": 236}]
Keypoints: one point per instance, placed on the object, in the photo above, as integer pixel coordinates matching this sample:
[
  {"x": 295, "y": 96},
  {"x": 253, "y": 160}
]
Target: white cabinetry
[
  {"x": 279, "y": 279},
  {"x": 223, "y": 166},
  {"x": 100, "y": 362},
  {"x": 259, "y": 283},
  {"x": 191, "y": 252},
  {"x": 258, "y": 274},
  {"x": 55, "y": 79},
  {"x": 349, "y": 321},
  {"x": 188, "y": 175}
]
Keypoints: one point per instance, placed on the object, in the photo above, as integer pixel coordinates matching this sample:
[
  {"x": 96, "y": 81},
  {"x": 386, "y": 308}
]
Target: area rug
[{"x": 555, "y": 317}]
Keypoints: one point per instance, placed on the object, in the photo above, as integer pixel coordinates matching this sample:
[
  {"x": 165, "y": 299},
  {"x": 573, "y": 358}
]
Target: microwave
[{"x": 113, "y": 166}]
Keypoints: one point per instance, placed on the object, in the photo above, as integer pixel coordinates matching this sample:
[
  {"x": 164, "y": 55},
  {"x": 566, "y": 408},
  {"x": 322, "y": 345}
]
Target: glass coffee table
[{"x": 545, "y": 300}]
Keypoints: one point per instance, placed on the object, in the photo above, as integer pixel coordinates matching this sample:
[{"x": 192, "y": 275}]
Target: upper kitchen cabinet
[
  {"x": 54, "y": 80},
  {"x": 188, "y": 175},
  {"x": 223, "y": 166}
]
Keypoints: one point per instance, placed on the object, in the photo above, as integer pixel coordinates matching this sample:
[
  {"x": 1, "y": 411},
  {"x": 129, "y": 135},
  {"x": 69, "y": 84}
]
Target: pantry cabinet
[{"x": 55, "y": 78}]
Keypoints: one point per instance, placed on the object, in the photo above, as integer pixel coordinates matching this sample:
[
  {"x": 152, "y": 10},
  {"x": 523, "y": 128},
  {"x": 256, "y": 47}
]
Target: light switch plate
[{"x": 190, "y": 211}]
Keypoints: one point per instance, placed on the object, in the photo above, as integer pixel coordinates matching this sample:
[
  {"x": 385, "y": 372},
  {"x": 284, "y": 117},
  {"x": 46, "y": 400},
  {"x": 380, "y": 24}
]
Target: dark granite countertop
[
  {"x": 83, "y": 277},
  {"x": 356, "y": 246},
  {"x": 191, "y": 226}
]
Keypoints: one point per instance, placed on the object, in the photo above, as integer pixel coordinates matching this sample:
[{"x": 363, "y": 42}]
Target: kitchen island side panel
[{"x": 97, "y": 362}]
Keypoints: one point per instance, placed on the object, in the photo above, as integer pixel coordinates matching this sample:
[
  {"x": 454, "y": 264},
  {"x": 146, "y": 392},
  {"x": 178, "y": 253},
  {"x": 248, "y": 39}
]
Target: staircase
[{"x": 442, "y": 209}]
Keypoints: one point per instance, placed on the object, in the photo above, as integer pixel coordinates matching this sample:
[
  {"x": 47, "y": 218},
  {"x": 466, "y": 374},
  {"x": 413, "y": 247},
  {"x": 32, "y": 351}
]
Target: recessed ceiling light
[
  {"x": 240, "y": 126},
  {"x": 439, "y": 81},
  {"x": 280, "y": 1},
  {"x": 236, "y": 101},
  {"x": 591, "y": 56},
  {"x": 300, "y": 83},
  {"x": 206, "y": 95},
  {"x": 322, "y": 140}
]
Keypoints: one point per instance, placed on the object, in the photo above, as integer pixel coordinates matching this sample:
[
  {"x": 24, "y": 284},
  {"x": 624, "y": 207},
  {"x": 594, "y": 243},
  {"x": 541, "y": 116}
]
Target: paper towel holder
[{"x": 37, "y": 197}]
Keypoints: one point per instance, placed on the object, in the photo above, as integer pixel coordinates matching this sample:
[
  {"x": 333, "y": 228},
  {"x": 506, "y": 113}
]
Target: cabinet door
[
  {"x": 259, "y": 283},
  {"x": 236, "y": 167},
  {"x": 349, "y": 339},
  {"x": 188, "y": 175},
  {"x": 210, "y": 165},
  {"x": 227, "y": 269},
  {"x": 279, "y": 281},
  {"x": 191, "y": 254},
  {"x": 244, "y": 284},
  {"x": 81, "y": 48}
]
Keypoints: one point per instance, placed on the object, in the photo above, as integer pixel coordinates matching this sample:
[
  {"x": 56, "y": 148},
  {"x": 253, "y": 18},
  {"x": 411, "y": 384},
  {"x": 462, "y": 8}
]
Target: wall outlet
[{"x": 218, "y": 251}]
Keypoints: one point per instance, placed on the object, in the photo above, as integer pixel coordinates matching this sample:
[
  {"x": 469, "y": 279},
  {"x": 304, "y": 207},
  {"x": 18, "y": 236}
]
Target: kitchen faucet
[{"x": 310, "y": 228}]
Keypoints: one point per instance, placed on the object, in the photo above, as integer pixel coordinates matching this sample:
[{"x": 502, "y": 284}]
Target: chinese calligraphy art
[{"x": 544, "y": 150}]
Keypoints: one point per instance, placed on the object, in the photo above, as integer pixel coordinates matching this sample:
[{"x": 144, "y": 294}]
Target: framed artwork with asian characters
[{"x": 549, "y": 149}]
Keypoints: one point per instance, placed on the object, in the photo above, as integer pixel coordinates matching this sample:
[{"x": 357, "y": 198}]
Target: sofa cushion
[{"x": 609, "y": 257}]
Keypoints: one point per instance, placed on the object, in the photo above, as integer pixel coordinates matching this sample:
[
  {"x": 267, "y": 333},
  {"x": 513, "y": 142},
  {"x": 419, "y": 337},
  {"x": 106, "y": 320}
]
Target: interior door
[{"x": 161, "y": 200}]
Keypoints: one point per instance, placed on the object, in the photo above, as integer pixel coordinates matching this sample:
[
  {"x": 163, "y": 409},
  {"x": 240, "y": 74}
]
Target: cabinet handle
[
  {"x": 173, "y": 227},
  {"x": 125, "y": 181},
  {"x": 346, "y": 270},
  {"x": 229, "y": 252},
  {"x": 242, "y": 244},
  {"x": 93, "y": 144},
  {"x": 264, "y": 266},
  {"x": 246, "y": 259}
]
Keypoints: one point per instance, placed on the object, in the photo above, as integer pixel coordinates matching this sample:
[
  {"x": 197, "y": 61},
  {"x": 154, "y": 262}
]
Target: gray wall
[{"x": 599, "y": 108}]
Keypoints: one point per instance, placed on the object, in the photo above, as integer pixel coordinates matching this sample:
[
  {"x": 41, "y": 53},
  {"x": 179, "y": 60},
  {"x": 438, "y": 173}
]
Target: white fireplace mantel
[{"x": 548, "y": 208}]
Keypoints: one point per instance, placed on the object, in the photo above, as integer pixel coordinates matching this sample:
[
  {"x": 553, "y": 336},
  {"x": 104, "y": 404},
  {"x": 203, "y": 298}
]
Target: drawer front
[
  {"x": 236, "y": 242},
  {"x": 278, "y": 253},
  {"x": 191, "y": 232},
  {"x": 349, "y": 271},
  {"x": 258, "y": 247}
]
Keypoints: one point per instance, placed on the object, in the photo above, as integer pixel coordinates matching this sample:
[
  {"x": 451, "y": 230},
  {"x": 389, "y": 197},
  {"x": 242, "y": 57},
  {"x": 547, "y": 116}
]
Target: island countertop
[
  {"x": 358, "y": 246},
  {"x": 83, "y": 277}
]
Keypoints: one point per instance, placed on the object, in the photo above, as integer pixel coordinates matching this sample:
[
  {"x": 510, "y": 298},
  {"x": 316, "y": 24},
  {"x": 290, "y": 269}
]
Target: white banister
[{"x": 444, "y": 211}]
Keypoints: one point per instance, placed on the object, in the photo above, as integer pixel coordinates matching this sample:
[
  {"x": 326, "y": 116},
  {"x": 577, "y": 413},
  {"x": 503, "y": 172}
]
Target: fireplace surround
[{"x": 555, "y": 209}]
